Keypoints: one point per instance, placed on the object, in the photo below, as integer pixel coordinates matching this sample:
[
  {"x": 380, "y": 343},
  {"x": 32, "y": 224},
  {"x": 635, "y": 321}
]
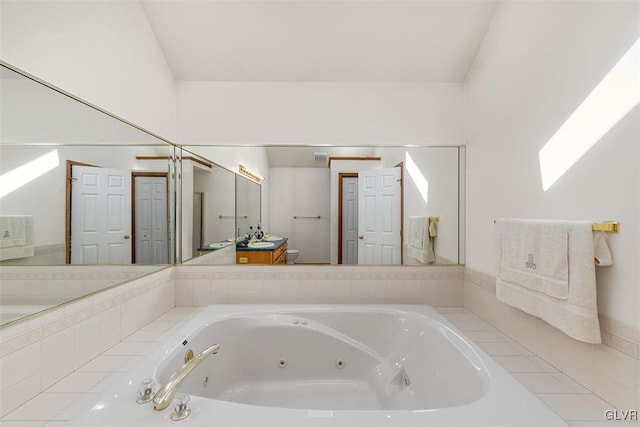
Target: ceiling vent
[{"x": 320, "y": 157}]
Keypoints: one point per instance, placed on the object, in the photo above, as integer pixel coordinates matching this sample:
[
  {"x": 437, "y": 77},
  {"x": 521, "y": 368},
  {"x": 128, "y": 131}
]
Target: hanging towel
[
  {"x": 13, "y": 231},
  {"x": 535, "y": 255},
  {"x": 602, "y": 255},
  {"x": 433, "y": 231},
  {"x": 419, "y": 246},
  {"x": 15, "y": 236},
  {"x": 577, "y": 314}
]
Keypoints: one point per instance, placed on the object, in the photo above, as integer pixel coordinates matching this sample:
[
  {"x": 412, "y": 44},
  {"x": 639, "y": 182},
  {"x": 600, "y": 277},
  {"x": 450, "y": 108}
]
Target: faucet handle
[
  {"x": 146, "y": 390},
  {"x": 181, "y": 408}
]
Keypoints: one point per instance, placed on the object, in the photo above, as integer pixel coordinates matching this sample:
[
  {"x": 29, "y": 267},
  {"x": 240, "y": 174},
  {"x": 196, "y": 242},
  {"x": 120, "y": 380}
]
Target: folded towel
[
  {"x": 576, "y": 316},
  {"x": 420, "y": 246},
  {"x": 602, "y": 255},
  {"x": 13, "y": 230},
  {"x": 535, "y": 255}
]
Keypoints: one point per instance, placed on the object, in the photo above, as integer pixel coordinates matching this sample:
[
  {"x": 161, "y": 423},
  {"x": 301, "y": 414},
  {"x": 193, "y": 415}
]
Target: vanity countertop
[{"x": 277, "y": 244}]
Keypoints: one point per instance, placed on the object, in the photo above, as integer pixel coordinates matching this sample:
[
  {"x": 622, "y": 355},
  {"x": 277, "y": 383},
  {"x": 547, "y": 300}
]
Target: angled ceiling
[{"x": 320, "y": 41}]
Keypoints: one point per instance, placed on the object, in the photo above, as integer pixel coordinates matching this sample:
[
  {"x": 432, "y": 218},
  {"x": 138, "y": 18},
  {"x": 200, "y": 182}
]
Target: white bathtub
[{"x": 327, "y": 366}]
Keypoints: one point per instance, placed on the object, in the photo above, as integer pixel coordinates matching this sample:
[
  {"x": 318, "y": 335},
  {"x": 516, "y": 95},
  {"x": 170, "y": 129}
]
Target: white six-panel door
[
  {"x": 100, "y": 215},
  {"x": 152, "y": 238},
  {"x": 379, "y": 216},
  {"x": 350, "y": 220}
]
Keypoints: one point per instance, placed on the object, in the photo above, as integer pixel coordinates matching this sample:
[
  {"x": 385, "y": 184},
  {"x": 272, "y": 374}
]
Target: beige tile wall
[
  {"x": 36, "y": 353},
  {"x": 611, "y": 370},
  {"x": 303, "y": 284},
  {"x": 56, "y": 284}
]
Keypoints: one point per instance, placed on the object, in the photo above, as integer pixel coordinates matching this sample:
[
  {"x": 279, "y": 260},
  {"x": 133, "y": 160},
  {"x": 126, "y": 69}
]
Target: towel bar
[
  {"x": 307, "y": 217},
  {"x": 231, "y": 216},
  {"x": 607, "y": 227}
]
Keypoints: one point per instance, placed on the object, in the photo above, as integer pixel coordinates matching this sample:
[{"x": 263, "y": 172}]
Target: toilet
[{"x": 292, "y": 254}]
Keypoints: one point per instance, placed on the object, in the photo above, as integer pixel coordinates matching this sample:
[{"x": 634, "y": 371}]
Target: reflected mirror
[
  {"x": 208, "y": 208},
  {"x": 355, "y": 205},
  {"x": 78, "y": 187},
  {"x": 248, "y": 203}
]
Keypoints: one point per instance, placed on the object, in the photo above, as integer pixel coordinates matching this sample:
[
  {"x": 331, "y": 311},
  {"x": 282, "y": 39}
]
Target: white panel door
[
  {"x": 379, "y": 216},
  {"x": 100, "y": 215},
  {"x": 152, "y": 238},
  {"x": 350, "y": 220}
]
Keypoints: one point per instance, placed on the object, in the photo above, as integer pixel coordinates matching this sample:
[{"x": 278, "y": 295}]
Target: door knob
[
  {"x": 361, "y": 237},
  {"x": 126, "y": 236}
]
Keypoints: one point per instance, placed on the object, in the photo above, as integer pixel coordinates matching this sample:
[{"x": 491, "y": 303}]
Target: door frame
[
  {"x": 401, "y": 166},
  {"x": 134, "y": 175},
  {"x": 67, "y": 213},
  {"x": 341, "y": 176}
]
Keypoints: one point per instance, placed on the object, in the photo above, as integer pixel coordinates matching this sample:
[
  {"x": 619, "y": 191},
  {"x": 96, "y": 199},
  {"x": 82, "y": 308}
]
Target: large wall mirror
[
  {"x": 340, "y": 205},
  {"x": 82, "y": 193}
]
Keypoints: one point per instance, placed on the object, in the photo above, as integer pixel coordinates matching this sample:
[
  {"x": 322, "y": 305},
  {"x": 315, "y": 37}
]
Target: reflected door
[
  {"x": 151, "y": 235},
  {"x": 100, "y": 215},
  {"x": 349, "y": 220},
  {"x": 379, "y": 216}
]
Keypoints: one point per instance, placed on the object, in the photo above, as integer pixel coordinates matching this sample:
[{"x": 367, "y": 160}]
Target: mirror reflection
[
  {"x": 209, "y": 206},
  {"x": 352, "y": 205},
  {"x": 77, "y": 187}
]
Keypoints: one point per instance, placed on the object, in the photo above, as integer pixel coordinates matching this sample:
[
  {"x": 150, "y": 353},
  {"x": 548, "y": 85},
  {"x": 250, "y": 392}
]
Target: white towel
[
  {"x": 535, "y": 255},
  {"x": 15, "y": 236},
  {"x": 13, "y": 230},
  {"x": 602, "y": 255},
  {"x": 420, "y": 246},
  {"x": 576, "y": 316}
]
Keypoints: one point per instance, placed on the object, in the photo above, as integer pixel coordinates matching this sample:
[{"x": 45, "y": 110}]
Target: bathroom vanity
[{"x": 261, "y": 253}]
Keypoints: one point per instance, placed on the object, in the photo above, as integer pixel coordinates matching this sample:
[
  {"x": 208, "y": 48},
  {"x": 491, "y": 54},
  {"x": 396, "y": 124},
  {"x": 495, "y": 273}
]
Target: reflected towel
[
  {"x": 13, "y": 230},
  {"x": 15, "y": 236},
  {"x": 433, "y": 231},
  {"x": 420, "y": 246},
  {"x": 576, "y": 316}
]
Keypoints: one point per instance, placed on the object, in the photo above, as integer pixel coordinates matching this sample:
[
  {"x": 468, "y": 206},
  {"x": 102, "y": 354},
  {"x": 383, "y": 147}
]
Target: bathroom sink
[
  {"x": 219, "y": 245},
  {"x": 261, "y": 245},
  {"x": 273, "y": 238}
]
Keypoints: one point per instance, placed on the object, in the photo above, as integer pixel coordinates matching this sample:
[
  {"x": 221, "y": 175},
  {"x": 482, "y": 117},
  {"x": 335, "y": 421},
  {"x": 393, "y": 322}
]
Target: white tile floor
[{"x": 574, "y": 403}]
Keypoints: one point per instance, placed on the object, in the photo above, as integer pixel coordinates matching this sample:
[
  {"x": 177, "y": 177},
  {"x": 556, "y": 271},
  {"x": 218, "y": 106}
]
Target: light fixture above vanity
[{"x": 249, "y": 173}]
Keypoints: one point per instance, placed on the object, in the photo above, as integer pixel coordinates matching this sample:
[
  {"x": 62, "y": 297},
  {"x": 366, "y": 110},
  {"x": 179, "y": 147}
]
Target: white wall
[
  {"x": 186, "y": 209},
  {"x": 302, "y": 192},
  {"x": 536, "y": 65},
  {"x": 218, "y": 188},
  {"x": 101, "y": 51},
  {"x": 319, "y": 113}
]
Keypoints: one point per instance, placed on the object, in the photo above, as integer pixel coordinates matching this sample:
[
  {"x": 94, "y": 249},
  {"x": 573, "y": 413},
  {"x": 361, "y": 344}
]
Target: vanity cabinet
[{"x": 275, "y": 255}]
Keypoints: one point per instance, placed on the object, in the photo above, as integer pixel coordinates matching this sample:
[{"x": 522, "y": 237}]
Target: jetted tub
[{"x": 326, "y": 366}]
